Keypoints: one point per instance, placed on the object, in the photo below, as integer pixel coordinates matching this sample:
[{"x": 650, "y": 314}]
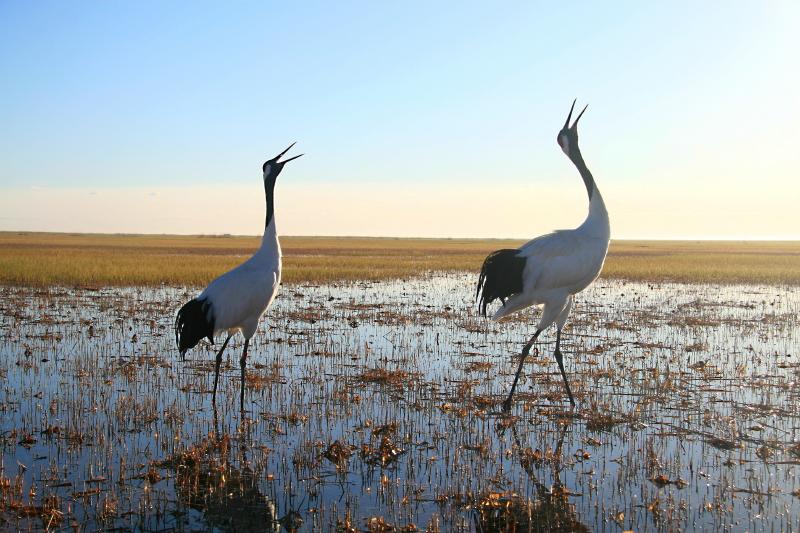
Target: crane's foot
[{"x": 507, "y": 405}]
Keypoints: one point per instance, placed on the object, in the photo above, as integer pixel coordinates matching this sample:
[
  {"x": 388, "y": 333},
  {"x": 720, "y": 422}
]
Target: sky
[{"x": 416, "y": 118}]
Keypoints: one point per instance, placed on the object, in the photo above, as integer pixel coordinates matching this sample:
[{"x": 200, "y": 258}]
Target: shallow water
[{"x": 375, "y": 405}]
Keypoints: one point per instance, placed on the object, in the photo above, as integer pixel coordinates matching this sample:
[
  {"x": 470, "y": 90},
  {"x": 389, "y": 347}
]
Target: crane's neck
[
  {"x": 269, "y": 243},
  {"x": 596, "y": 223},
  {"x": 269, "y": 194},
  {"x": 588, "y": 180}
]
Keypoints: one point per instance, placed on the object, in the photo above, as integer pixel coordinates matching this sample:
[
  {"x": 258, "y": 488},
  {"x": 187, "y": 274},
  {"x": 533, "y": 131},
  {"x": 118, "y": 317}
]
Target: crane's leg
[
  {"x": 216, "y": 369},
  {"x": 559, "y": 360},
  {"x": 525, "y": 351},
  {"x": 242, "y": 363}
]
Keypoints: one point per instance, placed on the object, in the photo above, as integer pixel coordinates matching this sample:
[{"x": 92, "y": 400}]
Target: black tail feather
[
  {"x": 194, "y": 321},
  {"x": 501, "y": 277}
]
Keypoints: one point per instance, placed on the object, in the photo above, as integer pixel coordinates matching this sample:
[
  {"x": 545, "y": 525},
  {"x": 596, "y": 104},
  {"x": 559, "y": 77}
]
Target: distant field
[{"x": 42, "y": 259}]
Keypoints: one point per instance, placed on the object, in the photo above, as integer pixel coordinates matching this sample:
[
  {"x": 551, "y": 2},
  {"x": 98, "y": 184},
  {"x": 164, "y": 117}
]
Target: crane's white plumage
[
  {"x": 236, "y": 301},
  {"x": 549, "y": 270},
  {"x": 241, "y": 296},
  {"x": 562, "y": 263}
]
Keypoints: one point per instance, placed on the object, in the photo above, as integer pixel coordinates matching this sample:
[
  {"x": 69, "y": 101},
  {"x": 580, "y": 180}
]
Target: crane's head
[
  {"x": 274, "y": 166},
  {"x": 568, "y": 136}
]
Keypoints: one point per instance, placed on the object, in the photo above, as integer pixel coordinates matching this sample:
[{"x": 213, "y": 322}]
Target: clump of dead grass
[{"x": 381, "y": 376}]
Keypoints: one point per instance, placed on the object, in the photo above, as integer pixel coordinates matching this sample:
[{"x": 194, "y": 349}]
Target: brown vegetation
[{"x": 46, "y": 259}]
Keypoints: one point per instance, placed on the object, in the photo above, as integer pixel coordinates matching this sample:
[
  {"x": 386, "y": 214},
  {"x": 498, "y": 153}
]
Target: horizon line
[{"x": 394, "y": 237}]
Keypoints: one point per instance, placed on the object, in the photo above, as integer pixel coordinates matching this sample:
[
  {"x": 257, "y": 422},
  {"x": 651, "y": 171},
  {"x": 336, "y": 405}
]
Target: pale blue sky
[{"x": 694, "y": 101}]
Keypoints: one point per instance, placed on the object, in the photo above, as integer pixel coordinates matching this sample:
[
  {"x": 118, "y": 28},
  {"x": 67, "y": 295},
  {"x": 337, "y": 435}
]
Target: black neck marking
[
  {"x": 588, "y": 180},
  {"x": 269, "y": 192}
]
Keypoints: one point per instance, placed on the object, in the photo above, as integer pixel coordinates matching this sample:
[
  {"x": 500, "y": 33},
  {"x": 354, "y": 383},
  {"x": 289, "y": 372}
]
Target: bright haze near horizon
[{"x": 416, "y": 119}]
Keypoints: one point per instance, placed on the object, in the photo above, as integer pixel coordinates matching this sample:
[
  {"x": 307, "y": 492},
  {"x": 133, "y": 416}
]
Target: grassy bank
[{"x": 41, "y": 259}]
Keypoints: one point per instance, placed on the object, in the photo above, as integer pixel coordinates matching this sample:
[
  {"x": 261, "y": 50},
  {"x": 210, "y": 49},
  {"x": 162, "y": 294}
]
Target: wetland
[{"x": 375, "y": 406}]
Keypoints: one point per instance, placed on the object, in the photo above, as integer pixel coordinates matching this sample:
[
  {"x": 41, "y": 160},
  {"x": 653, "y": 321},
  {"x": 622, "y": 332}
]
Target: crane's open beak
[
  {"x": 281, "y": 154},
  {"x": 574, "y": 124}
]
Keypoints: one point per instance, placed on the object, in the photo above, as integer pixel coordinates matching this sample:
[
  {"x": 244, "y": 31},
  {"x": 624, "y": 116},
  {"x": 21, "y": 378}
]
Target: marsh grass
[{"x": 92, "y": 260}]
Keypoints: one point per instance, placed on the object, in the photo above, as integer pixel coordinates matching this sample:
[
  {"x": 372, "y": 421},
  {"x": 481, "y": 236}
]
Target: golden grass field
[{"x": 43, "y": 259}]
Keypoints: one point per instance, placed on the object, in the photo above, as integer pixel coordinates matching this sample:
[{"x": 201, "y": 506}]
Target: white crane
[
  {"x": 236, "y": 300},
  {"x": 550, "y": 270}
]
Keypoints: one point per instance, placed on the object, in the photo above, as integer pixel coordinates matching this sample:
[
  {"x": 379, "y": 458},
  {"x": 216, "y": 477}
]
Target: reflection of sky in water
[{"x": 675, "y": 382}]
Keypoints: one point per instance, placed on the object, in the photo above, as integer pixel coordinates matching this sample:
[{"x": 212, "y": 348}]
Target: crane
[
  {"x": 549, "y": 270},
  {"x": 236, "y": 300}
]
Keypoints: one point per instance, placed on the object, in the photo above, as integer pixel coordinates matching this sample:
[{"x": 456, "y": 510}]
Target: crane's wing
[
  {"x": 562, "y": 259},
  {"x": 241, "y": 296}
]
